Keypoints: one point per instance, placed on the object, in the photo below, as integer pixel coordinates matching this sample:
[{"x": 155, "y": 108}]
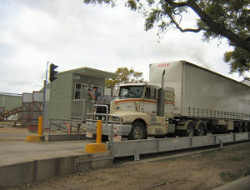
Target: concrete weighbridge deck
[{"x": 25, "y": 162}]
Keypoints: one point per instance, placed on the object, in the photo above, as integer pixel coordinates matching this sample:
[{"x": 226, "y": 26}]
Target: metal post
[
  {"x": 111, "y": 138},
  {"x": 3, "y": 101},
  {"x": 40, "y": 126},
  {"x": 44, "y": 94},
  {"x": 70, "y": 128},
  {"x": 49, "y": 127},
  {"x": 99, "y": 132},
  {"x": 221, "y": 144},
  {"x": 44, "y": 99},
  {"x": 78, "y": 129},
  {"x": 112, "y": 134}
]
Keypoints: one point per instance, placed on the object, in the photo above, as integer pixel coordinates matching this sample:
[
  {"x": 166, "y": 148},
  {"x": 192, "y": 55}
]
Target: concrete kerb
[
  {"x": 242, "y": 184},
  {"x": 34, "y": 138},
  {"x": 36, "y": 170}
]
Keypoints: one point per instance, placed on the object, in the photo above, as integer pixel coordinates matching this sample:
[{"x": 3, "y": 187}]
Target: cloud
[{"x": 72, "y": 35}]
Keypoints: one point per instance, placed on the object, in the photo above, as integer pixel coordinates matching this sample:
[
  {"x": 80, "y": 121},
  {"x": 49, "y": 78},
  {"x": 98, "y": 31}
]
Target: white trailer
[{"x": 202, "y": 93}]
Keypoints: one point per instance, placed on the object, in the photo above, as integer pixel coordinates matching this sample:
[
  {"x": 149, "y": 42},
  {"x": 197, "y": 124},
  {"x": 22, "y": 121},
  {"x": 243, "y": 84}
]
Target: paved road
[
  {"x": 17, "y": 151},
  {"x": 14, "y": 149}
]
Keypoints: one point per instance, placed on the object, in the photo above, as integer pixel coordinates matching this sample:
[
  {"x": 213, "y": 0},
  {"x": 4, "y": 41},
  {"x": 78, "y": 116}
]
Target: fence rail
[{"x": 78, "y": 109}]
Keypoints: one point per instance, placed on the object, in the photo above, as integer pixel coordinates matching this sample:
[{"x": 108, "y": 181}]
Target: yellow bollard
[
  {"x": 40, "y": 126},
  {"x": 99, "y": 132},
  {"x": 98, "y": 146},
  {"x": 37, "y": 138}
]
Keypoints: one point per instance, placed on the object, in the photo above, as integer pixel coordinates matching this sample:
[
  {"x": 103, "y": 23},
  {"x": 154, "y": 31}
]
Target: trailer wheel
[
  {"x": 190, "y": 130},
  {"x": 201, "y": 128},
  {"x": 240, "y": 128},
  {"x": 138, "y": 131},
  {"x": 245, "y": 127}
]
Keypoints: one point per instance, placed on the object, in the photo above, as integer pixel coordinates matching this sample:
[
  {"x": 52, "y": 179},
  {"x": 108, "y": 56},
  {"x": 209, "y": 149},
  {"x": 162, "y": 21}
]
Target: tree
[
  {"x": 228, "y": 19},
  {"x": 124, "y": 75}
]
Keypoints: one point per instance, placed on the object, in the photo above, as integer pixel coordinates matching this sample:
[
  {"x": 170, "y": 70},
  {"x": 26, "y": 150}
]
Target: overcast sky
[{"x": 71, "y": 35}]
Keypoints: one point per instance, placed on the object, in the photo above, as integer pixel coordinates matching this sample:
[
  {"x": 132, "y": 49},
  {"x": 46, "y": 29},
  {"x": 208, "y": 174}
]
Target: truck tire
[
  {"x": 190, "y": 130},
  {"x": 200, "y": 128},
  {"x": 138, "y": 131}
]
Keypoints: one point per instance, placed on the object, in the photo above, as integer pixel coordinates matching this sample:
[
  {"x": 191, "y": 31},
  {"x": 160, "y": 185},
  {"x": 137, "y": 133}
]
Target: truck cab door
[{"x": 149, "y": 103}]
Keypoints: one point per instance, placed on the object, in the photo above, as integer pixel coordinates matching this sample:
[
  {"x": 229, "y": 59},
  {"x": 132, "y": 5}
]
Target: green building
[
  {"x": 10, "y": 101},
  {"x": 69, "y": 98}
]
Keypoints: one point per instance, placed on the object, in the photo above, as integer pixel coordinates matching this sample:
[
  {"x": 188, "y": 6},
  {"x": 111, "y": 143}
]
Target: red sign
[{"x": 164, "y": 65}]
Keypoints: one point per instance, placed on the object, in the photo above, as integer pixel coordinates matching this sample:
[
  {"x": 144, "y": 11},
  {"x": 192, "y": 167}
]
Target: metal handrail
[{"x": 107, "y": 115}]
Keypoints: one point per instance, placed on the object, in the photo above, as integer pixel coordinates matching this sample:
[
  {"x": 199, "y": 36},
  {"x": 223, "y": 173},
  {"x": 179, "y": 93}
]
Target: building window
[
  {"x": 77, "y": 91},
  {"x": 81, "y": 91}
]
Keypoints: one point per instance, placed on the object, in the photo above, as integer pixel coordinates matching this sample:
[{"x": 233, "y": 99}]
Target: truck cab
[{"x": 135, "y": 114}]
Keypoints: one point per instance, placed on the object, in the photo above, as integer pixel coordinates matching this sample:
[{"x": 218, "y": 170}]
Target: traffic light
[{"x": 52, "y": 72}]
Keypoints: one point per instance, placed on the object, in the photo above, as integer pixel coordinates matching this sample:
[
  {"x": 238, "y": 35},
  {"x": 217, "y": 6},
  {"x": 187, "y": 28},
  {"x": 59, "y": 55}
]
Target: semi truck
[{"x": 181, "y": 99}]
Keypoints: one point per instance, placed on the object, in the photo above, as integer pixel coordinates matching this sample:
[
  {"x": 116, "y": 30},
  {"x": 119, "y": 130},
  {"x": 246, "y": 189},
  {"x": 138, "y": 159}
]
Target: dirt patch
[
  {"x": 10, "y": 132},
  {"x": 13, "y": 130},
  {"x": 203, "y": 171}
]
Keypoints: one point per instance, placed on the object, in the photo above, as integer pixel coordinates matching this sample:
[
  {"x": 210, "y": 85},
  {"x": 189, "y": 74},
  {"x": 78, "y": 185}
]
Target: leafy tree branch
[
  {"x": 124, "y": 75},
  {"x": 228, "y": 19}
]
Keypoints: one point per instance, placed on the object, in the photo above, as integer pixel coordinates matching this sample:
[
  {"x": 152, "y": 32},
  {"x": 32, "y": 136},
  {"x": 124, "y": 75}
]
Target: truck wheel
[
  {"x": 201, "y": 129},
  {"x": 138, "y": 131},
  {"x": 189, "y": 132}
]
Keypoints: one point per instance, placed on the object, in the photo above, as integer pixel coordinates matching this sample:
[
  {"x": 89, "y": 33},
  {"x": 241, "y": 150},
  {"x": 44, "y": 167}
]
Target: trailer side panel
[
  {"x": 202, "y": 93},
  {"x": 207, "y": 94}
]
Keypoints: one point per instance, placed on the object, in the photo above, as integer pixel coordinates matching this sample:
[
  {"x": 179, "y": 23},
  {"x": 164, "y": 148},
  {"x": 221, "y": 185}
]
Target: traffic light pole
[{"x": 44, "y": 95}]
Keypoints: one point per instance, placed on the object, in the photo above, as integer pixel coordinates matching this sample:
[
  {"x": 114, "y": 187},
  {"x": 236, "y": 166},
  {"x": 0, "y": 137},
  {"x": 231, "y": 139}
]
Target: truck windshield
[{"x": 131, "y": 91}]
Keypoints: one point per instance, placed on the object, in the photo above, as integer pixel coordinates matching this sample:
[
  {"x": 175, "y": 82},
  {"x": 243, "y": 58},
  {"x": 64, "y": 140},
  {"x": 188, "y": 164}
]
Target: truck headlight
[
  {"x": 103, "y": 118},
  {"x": 115, "y": 118}
]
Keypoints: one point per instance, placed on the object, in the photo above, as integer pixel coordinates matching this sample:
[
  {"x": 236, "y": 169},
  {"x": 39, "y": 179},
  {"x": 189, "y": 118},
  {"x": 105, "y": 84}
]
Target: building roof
[
  {"x": 9, "y": 94},
  {"x": 91, "y": 72}
]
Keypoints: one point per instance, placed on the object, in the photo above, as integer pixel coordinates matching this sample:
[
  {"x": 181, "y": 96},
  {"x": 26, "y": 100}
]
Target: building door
[{"x": 79, "y": 104}]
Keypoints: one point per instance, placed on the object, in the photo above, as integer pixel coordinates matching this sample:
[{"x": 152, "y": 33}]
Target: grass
[
  {"x": 230, "y": 176},
  {"x": 236, "y": 159}
]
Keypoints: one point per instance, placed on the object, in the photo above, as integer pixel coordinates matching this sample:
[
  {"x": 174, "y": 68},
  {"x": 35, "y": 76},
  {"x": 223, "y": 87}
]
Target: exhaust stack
[{"x": 161, "y": 97}]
